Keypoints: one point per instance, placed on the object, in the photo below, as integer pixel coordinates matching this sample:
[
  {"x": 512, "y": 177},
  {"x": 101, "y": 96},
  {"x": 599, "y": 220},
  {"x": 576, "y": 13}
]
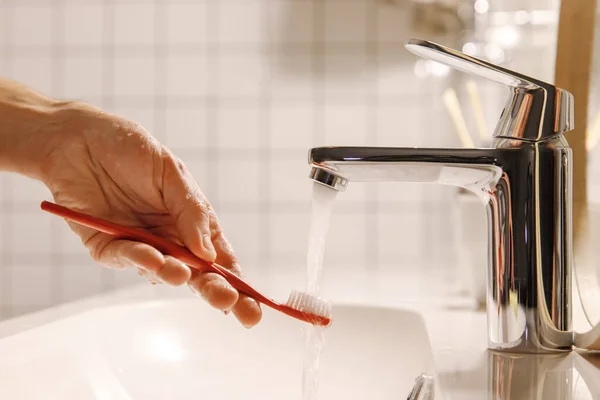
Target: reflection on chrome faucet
[
  {"x": 541, "y": 376},
  {"x": 514, "y": 376},
  {"x": 530, "y": 377},
  {"x": 524, "y": 180}
]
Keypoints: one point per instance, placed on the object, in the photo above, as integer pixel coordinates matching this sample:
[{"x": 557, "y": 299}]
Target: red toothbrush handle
[{"x": 161, "y": 244}]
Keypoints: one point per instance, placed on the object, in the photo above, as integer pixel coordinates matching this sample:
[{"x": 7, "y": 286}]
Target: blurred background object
[{"x": 240, "y": 90}]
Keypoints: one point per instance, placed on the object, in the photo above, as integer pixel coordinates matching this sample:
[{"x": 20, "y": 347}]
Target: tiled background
[{"x": 240, "y": 90}]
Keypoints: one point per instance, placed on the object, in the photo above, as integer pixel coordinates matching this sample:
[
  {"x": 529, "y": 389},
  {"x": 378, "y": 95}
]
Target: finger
[
  {"x": 246, "y": 310},
  {"x": 225, "y": 255},
  {"x": 215, "y": 290},
  {"x": 185, "y": 201},
  {"x": 120, "y": 254},
  {"x": 194, "y": 230},
  {"x": 174, "y": 272}
]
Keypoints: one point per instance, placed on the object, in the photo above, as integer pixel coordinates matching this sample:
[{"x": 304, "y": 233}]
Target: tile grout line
[
  {"x": 264, "y": 158},
  {"x": 212, "y": 106},
  {"x": 125, "y": 2},
  {"x": 160, "y": 54},
  {"x": 108, "y": 81},
  {"x": 6, "y": 258},
  {"x": 319, "y": 72},
  {"x": 371, "y": 128},
  {"x": 143, "y": 50},
  {"x": 186, "y": 102},
  {"x": 57, "y": 85}
]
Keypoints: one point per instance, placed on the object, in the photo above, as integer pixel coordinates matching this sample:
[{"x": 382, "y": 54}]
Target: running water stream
[{"x": 314, "y": 336}]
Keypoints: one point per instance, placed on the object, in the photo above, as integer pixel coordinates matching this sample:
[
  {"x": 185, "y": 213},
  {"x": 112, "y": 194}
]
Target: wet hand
[{"x": 112, "y": 168}]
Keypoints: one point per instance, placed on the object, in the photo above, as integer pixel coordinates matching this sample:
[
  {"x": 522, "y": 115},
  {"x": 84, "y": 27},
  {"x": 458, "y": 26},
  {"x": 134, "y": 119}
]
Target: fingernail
[
  {"x": 255, "y": 304},
  {"x": 226, "y": 312},
  {"x": 227, "y": 285},
  {"x": 247, "y": 326}
]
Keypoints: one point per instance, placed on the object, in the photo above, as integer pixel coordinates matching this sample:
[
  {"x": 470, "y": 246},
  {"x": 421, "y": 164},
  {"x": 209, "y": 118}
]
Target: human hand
[{"x": 112, "y": 168}]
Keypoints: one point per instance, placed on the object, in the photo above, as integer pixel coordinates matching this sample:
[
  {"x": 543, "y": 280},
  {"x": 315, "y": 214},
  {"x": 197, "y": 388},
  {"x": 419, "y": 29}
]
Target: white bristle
[{"x": 307, "y": 303}]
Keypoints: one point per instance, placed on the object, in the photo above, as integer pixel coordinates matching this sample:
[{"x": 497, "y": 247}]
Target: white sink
[{"x": 182, "y": 349}]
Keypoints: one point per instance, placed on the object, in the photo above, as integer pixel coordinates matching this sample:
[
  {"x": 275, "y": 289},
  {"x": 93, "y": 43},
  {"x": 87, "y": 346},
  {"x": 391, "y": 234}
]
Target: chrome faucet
[{"x": 524, "y": 180}]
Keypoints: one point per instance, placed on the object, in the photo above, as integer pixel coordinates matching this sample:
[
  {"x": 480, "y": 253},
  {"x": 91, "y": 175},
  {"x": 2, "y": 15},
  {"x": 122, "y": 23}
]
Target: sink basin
[{"x": 181, "y": 349}]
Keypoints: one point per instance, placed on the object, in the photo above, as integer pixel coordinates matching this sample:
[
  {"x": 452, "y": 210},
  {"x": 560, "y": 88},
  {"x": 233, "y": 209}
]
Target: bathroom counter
[{"x": 457, "y": 333}]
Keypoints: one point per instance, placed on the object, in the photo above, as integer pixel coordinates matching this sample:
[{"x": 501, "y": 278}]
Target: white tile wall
[
  {"x": 345, "y": 21},
  {"x": 83, "y": 24},
  {"x": 242, "y": 22},
  {"x": 291, "y": 21},
  {"x": 134, "y": 23},
  {"x": 243, "y": 230},
  {"x": 82, "y": 77},
  {"x": 36, "y": 279},
  {"x": 238, "y": 126},
  {"x": 240, "y": 75},
  {"x": 185, "y": 128},
  {"x": 187, "y": 75},
  {"x": 37, "y": 71},
  {"x": 286, "y": 242},
  {"x": 292, "y": 125},
  {"x": 187, "y": 23},
  {"x": 292, "y": 77},
  {"x": 31, "y": 233},
  {"x": 235, "y": 180},
  {"x": 240, "y": 90},
  {"x": 32, "y": 25},
  {"x": 347, "y": 124},
  {"x": 288, "y": 183},
  {"x": 134, "y": 76},
  {"x": 80, "y": 280},
  {"x": 24, "y": 190}
]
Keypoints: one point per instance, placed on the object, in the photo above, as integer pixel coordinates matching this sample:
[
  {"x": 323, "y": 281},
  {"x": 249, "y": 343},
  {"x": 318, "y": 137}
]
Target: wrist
[{"x": 30, "y": 126}]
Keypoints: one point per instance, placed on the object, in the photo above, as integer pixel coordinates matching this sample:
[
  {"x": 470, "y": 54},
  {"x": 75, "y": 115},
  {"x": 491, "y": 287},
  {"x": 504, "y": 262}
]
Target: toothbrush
[
  {"x": 301, "y": 306},
  {"x": 477, "y": 111},
  {"x": 452, "y": 104}
]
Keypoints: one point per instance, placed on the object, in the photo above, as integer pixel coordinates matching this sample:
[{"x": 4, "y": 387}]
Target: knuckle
[
  {"x": 212, "y": 215},
  {"x": 172, "y": 161},
  {"x": 221, "y": 241},
  {"x": 203, "y": 214},
  {"x": 237, "y": 269}
]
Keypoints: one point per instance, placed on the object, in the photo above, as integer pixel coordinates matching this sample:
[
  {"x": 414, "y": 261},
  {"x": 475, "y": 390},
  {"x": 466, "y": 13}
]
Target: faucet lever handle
[{"x": 535, "y": 110}]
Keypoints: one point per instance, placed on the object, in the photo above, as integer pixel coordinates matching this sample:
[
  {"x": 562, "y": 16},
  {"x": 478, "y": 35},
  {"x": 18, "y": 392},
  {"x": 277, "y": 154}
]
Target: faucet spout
[{"x": 476, "y": 170}]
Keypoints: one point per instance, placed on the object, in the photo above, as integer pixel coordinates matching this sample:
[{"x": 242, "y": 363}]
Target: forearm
[{"x": 27, "y": 121}]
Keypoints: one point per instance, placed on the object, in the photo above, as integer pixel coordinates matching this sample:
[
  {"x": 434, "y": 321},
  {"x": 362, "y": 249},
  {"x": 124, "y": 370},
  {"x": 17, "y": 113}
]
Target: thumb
[
  {"x": 193, "y": 224},
  {"x": 191, "y": 211}
]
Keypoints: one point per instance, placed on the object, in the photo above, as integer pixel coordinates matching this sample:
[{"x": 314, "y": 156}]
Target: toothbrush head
[{"x": 314, "y": 309}]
